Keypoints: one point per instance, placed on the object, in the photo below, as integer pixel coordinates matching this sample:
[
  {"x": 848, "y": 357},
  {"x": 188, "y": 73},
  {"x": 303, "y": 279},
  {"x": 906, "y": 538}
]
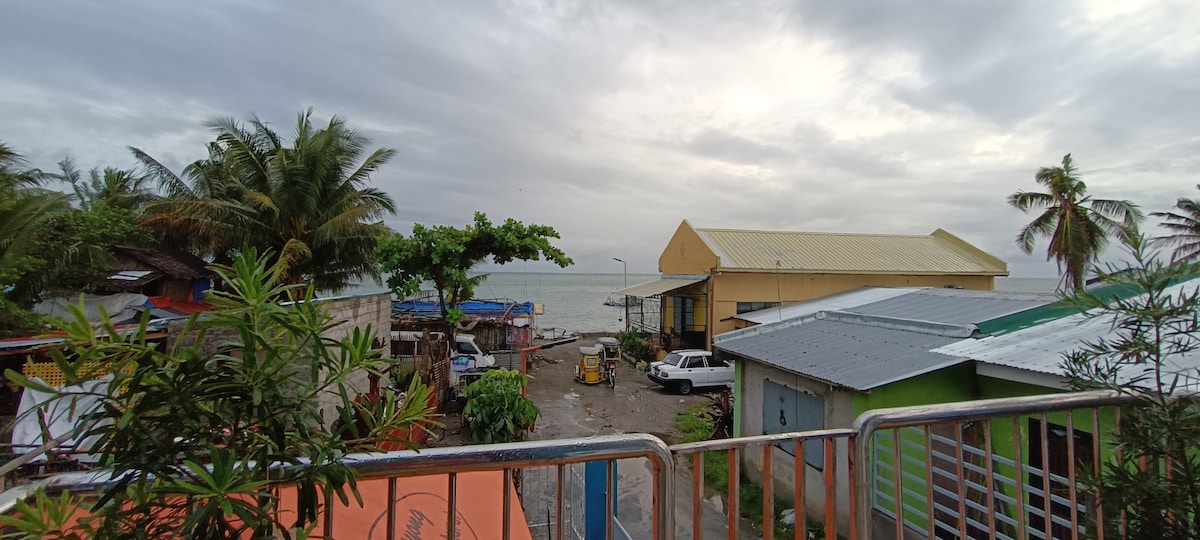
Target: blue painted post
[{"x": 595, "y": 478}]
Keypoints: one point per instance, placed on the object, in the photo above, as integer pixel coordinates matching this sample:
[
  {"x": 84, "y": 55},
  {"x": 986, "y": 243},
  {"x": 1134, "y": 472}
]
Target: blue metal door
[{"x": 787, "y": 410}]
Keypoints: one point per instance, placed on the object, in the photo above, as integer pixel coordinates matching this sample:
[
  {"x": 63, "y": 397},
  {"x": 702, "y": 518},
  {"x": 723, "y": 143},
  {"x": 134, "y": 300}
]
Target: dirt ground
[
  {"x": 637, "y": 405},
  {"x": 572, "y": 409}
]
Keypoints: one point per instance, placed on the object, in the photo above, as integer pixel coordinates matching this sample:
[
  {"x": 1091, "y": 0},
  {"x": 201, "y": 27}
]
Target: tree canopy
[
  {"x": 1184, "y": 226},
  {"x": 306, "y": 201},
  {"x": 444, "y": 255},
  {"x": 1077, "y": 225}
]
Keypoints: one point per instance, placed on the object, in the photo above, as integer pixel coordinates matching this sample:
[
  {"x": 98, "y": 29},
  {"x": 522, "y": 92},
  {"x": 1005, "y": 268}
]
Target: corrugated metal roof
[
  {"x": 937, "y": 253},
  {"x": 856, "y": 356},
  {"x": 954, "y": 306},
  {"x": 1040, "y": 348},
  {"x": 875, "y": 343},
  {"x": 657, "y": 287},
  {"x": 845, "y": 300}
]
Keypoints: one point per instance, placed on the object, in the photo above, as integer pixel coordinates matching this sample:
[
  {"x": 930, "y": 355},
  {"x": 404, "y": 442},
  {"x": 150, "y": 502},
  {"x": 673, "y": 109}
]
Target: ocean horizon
[{"x": 574, "y": 301}]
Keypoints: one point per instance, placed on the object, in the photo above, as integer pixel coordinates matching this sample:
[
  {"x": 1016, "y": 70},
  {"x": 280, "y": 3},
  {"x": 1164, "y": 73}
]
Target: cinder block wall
[
  {"x": 374, "y": 311},
  {"x": 351, "y": 312}
]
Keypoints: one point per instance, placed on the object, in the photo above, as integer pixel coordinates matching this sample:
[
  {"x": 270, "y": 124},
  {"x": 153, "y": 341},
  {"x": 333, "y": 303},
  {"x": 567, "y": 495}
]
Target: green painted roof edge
[{"x": 1057, "y": 310}]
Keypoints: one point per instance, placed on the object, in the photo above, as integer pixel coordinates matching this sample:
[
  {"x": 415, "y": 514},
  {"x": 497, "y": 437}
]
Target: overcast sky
[{"x": 614, "y": 121}]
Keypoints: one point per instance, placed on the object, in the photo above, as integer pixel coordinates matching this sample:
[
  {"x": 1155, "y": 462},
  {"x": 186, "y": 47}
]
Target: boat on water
[{"x": 616, "y": 303}]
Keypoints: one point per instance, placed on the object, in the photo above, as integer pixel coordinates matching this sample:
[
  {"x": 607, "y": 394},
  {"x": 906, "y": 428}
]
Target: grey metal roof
[
  {"x": 875, "y": 343},
  {"x": 843, "y": 300},
  {"x": 1040, "y": 348},
  {"x": 954, "y": 306},
  {"x": 855, "y": 351}
]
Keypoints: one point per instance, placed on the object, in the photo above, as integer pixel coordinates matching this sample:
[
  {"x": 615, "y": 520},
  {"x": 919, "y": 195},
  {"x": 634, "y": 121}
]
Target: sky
[{"x": 614, "y": 121}]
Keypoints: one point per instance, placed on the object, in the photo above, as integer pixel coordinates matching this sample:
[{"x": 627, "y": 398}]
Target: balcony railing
[{"x": 1003, "y": 468}]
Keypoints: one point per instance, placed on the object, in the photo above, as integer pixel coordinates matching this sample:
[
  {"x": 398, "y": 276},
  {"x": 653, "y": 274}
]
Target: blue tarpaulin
[{"x": 474, "y": 308}]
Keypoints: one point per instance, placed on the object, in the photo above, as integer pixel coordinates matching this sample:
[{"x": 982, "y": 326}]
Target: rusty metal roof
[{"x": 842, "y": 253}]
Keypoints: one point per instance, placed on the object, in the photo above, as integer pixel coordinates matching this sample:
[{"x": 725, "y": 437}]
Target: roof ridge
[{"x": 821, "y": 233}]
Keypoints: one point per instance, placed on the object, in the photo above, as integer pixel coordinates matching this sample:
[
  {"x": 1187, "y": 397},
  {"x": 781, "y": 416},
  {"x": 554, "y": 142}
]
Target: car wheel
[{"x": 685, "y": 387}]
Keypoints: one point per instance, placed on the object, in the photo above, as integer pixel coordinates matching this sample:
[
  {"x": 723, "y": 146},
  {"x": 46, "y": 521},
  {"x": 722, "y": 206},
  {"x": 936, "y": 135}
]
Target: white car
[{"x": 686, "y": 369}]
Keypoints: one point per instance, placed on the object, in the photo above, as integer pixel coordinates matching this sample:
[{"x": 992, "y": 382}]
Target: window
[
  {"x": 747, "y": 307},
  {"x": 685, "y": 313},
  {"x": 714, "y": 362},
  {"x": 695, "y": 363},
  {"x": 467, "y": 348}
]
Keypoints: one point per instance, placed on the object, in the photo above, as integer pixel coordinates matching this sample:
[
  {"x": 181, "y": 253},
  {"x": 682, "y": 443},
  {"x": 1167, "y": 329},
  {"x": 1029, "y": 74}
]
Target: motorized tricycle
[
  {"x": 592, "y": 369},
  {"x": 612, "y": 355}
]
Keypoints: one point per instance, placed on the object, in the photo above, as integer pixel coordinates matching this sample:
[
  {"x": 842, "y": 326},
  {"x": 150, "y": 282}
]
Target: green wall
[
  {"x": 956, "y": 383},
  {"x": 960, "y": 383}
]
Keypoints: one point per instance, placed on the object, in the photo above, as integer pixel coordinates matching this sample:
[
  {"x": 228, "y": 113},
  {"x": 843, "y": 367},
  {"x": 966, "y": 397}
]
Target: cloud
[{"x": 614, "y": 121}]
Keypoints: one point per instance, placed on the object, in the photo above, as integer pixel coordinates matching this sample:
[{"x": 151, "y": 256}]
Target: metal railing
[
  {"x": 998, "y": 515},
  {"x": 769, "y": 444},
  {"x": 949, "y": 470},
  {"x": 452, "y": 461}
]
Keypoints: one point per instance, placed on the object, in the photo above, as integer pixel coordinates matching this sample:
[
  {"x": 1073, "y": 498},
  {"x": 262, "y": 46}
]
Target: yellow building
[{"x": 715, "y": 274}]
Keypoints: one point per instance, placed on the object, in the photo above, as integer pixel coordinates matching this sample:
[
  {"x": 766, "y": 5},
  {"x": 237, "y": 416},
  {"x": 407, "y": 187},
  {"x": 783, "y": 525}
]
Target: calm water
[{"x": 575, "y": 302}]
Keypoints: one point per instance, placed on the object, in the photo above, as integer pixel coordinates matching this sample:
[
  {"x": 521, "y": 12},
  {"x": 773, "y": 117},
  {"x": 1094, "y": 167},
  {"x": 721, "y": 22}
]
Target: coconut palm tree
[
  {"x": 24, "y": 204},
  {"x": 306, "y": 202},
  {"x": 119, "y": 188},
  {"x": 1077, "y": 225},
  {"x": 1184, "y": 225}
]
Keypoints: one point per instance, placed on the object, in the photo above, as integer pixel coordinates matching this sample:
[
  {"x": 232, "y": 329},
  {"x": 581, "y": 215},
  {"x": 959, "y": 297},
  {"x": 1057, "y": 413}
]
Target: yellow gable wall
[
  {"x": 733, "y": 287},
  {"x": 686, "y": 254}
]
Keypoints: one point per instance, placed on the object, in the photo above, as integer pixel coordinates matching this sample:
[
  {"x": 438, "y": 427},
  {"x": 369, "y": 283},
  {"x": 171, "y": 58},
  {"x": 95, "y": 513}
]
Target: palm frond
[{"x": 1027, "y": 200}]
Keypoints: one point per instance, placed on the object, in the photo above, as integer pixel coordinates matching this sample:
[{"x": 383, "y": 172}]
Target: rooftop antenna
[{"x": 778, "y": 291}]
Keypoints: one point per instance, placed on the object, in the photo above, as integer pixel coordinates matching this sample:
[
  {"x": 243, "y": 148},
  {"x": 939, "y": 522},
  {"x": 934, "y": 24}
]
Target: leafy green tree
[
  {"x": 198, "y": 439},
  {"x": 1155, "y": 479},
  {"x": 1077, "y": 225},
  {"x": 496, "y": 410},
  {"x": 306, "y": 201},
  {"x": 73, "y": 250},
  {"x": 1184, "y": 225},
  {"x": 444, "y": 255}
]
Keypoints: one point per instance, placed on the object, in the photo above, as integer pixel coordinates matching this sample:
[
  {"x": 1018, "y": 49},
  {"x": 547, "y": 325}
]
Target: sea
[{"x": 574, "y": 302}]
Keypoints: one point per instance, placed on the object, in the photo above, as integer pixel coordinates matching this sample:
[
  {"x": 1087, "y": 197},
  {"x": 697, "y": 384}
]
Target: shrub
[
  {"x": 636, "y": 347},
  {"x": 1152, "y": 488},
  {"x": 197, "y": 440},
  {"x": 496, "y": 410}
]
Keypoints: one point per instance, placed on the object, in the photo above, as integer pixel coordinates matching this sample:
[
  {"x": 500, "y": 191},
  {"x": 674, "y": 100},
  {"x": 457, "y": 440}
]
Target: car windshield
[{"x": 673, "y": 359}]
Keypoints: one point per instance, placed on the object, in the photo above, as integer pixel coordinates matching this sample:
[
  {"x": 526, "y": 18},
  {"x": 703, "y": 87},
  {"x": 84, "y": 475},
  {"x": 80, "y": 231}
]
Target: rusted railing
[
  {"x": 979, "y": 469},
  {"x": 452, "y": 461}
]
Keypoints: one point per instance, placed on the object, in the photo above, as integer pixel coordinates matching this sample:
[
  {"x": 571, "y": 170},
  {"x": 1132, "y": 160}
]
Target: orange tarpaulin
[
  {"x": 421, "y": 508},
  {"x": 421, "y": 505}
]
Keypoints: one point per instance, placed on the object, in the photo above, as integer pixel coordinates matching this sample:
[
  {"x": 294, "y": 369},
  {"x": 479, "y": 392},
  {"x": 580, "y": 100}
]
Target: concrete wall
[
  {"x": 349, "y": 312},
  {"x": 839, "y": 412},
  {"x": 352, "y": 312},
  {"x": 686, "y": 254}
]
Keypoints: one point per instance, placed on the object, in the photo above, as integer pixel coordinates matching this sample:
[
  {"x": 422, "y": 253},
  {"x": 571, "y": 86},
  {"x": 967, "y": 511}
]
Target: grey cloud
[
  {"x": 724, "y": 146},
  {"x": 491, "y": 107}
]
